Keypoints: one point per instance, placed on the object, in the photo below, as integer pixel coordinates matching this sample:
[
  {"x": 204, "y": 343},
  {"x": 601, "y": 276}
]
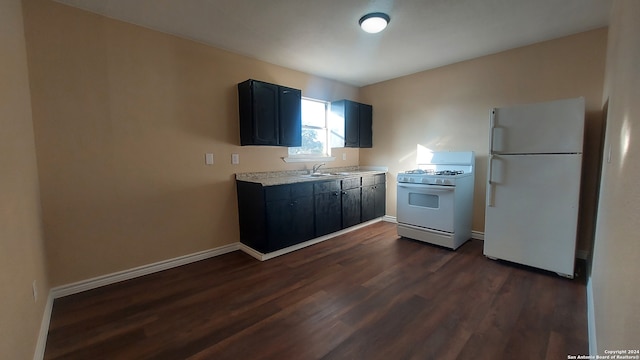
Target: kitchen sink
[{"x": 316, "y": 175}]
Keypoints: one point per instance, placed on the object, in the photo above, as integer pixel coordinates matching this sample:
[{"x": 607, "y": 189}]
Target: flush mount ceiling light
[{"x": 374, "y": 22}]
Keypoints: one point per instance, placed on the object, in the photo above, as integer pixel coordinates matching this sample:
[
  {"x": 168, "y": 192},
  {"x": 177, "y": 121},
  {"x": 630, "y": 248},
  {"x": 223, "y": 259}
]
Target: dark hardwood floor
[{"x": 364, "y": 295}]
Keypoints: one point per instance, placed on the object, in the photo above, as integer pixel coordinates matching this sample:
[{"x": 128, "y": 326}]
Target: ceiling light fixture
[{"x": 374, "y": 22}]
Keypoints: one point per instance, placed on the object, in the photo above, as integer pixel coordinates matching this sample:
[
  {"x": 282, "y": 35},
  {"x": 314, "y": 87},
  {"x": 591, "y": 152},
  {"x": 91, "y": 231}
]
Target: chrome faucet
[{"x": 316, "y": 167}]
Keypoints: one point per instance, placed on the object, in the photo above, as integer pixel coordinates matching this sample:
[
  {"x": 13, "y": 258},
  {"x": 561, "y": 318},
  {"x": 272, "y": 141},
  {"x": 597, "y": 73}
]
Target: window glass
[{"x": 314, "y": 129}]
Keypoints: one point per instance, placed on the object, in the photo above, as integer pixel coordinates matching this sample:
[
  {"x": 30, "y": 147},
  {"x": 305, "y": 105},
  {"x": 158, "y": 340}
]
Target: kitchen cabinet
[
  {"x": 328, "y": 207},
  {"x": 373, "y": 197},
  {"x": 274, "y": 217},
  {"x": 351, "y": 202},
  {"x": 351, "y": 124},
  {"x": 270, "y": 114}
]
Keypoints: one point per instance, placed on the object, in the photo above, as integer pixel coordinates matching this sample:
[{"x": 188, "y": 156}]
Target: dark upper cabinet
[
  {"x": 269, "y": 114},
  {"x": 351, "y": 124}
]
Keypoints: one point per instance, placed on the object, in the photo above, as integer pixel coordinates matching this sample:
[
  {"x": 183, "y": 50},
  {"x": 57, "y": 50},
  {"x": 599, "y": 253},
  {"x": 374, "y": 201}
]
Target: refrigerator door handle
[
  {"x": 490, "y": 190},
  {"x": 492, "y": 126}
]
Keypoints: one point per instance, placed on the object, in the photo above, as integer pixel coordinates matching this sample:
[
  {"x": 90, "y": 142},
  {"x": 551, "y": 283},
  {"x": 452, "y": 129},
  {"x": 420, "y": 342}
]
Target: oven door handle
[{"x": 430, "y": 188}]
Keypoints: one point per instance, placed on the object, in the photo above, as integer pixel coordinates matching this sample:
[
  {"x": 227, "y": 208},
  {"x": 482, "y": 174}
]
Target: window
[{"x": 315, "y": 134}]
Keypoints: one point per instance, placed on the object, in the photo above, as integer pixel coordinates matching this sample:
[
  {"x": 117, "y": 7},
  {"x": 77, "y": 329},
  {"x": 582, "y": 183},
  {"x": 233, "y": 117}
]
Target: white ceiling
[{"x": 322, "y": 37}]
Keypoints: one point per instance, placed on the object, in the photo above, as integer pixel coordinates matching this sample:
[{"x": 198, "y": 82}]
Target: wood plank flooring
[{"x": 365, "y": 295}]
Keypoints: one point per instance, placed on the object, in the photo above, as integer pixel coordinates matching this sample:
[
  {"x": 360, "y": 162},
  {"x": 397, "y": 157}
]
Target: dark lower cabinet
[
  {"x": 274, "y": 217},
  {"x": 373, "y": 197}
]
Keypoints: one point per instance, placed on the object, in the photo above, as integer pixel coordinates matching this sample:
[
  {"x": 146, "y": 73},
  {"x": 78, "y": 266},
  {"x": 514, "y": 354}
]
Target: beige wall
[
  {"x": 123, "y": 116},
  {"x": 21, "y": 238},
  {"x": 616, "y": 265},
  {"x": 448, "y": 108}
]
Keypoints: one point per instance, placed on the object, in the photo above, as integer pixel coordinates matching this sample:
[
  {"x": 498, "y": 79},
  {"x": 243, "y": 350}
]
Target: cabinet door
[
  {"x": 290, "y": 217},
  {"x": 290, "y": 127},
  {"x": 303, "y": 221},
  {"x": 352, "y": 124},
  {"x": 373, "y": 197},
  {"x": 279, "y": 224},
  {"x": 365, "y": 117},
  {"x": 368, "y": 202},
  {"x": 328, "y": 212},
  {"x": 380, "y": 200},
  {"x": 350, "y": 207},
  {"x": 265, "y": 113}
]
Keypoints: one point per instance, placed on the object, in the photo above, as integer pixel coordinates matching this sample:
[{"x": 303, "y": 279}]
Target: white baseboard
[
  {"x": 391, "y": 219},
  {"x": 44, "y": 329},
  {"x": 84, "y": 285}
]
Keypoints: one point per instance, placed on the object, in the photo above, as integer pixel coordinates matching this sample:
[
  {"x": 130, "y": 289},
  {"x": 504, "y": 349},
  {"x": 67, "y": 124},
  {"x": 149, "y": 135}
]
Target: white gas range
[{"x": 435, "y": 201}]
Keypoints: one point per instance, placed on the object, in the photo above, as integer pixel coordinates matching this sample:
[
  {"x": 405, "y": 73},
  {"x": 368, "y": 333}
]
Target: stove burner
[
  {"x": 419, "y": 171},
  {"x": 449, "y": 172},
  {"x": 432, "y": 172}
]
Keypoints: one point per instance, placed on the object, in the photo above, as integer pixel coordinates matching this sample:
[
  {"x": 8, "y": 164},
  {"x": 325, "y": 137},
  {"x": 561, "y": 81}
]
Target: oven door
[{"x": 428, "y": 206}]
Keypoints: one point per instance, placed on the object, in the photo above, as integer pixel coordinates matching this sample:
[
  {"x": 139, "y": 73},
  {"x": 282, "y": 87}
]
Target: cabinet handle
[
  {"x": 344, "y": 193},
  {"x": 336, "y": 193}
]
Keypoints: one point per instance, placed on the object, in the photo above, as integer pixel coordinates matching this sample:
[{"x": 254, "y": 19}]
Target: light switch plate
[
  {"x": 235, "y": 159},
  {"x": 208, "y": 159}
]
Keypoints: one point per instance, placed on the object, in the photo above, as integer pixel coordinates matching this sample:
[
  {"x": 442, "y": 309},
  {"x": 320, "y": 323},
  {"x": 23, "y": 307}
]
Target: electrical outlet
[
  {"x": 34, "y": 286},
  {"x": 235, "y": 159},
  {"x": 344, "y": 156}
]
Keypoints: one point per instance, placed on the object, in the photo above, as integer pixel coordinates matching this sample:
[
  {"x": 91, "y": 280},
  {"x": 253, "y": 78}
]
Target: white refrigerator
[{"x": 533, "y": 187}]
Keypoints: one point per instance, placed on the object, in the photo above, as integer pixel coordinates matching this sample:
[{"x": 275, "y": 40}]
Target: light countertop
[{"x": 272, "y": 178}]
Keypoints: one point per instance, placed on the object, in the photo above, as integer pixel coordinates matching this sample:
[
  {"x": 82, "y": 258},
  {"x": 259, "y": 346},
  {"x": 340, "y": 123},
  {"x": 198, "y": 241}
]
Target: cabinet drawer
[
  {"x": 326, "y": 186},
  {"x": 350, "y": 183}
]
